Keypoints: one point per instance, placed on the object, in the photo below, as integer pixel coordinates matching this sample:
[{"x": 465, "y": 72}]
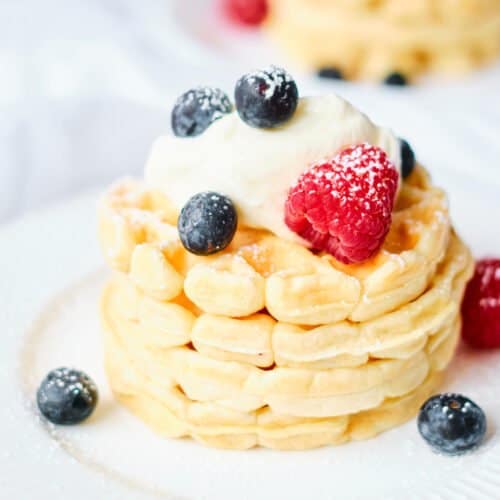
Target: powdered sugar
[
  {"x": 355, "y": 171},
  {"x": 489, "y": 302},
  {"x": 208, "y": 98},
  {"x": 270, "y": 79},
  {"x": 490, "y": 274}
]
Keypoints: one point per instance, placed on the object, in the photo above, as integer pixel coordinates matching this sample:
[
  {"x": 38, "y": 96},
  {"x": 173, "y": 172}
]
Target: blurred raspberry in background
[{"x": 247, "y": 12}]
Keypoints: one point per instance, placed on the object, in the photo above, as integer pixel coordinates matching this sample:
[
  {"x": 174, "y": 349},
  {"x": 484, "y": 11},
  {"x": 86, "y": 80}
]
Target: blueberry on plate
[
  {"x": 66, "y": 396},
  {"x": 396, "y": 79},
  {"x": 207, "y": 223},
  {"x": 267, "y": 98},
  {"x": 197, "y": 109},
  {"x": 407, "y": 159},
  {"x": 452, "y": 424}
]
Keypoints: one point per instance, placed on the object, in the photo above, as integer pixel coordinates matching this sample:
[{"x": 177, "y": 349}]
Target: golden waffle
[
  {"x": 179, "y": 391},
  {"x": 173, "y": 414},
  {"x": 260, "y": 272},
  {"x": 267, "y": 343},
  {"x": 262, "y": 341},
  {"x": 371, "y": 39},
  {"x": 311, "y": 391}
]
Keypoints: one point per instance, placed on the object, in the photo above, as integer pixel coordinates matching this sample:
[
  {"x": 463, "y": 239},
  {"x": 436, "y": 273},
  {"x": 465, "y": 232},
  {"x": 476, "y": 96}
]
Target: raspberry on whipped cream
[{"x": 344, "y": 205}]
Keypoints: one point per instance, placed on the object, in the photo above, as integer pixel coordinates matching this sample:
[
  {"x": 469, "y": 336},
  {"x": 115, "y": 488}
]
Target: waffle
[
  {"x": 260, "y": 271},
  {"x": 371, "y": 39},
  {"x": 181, "y": 390},
  {"x": 269, "y": 344}
]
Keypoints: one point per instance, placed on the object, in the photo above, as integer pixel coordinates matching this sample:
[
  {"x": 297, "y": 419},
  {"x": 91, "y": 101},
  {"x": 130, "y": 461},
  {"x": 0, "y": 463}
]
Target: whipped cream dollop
[{"x": 256, "y": 167}]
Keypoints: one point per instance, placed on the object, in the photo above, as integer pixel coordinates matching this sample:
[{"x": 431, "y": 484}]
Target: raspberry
[
  {"x": 481, "y": 306},
  {"x": 249, "y": 12},
  {"x": 344, "y": 205}
]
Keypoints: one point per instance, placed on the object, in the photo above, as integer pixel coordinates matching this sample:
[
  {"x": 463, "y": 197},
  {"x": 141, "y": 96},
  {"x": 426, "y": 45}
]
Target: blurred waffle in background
[{"x": 382, "y": 40}]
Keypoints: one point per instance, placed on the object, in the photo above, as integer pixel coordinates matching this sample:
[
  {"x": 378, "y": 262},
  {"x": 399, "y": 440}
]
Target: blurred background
[{"x": 86, "y": 86}]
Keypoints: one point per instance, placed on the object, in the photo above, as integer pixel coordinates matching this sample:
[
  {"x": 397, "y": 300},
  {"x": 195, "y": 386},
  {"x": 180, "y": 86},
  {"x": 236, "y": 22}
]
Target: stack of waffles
[{"x": 268, "y": 343}]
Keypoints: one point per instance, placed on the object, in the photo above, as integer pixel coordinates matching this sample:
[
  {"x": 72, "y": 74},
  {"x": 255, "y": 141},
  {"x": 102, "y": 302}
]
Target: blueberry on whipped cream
[
  {"x": 197, "y": 109},
  {"x": 266, "y": 98}
]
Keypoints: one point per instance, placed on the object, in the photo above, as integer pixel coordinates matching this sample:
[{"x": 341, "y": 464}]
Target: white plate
[{"x": 51, "y": 274}]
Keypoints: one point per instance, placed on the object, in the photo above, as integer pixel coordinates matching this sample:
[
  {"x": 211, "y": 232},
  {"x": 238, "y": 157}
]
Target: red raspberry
[
  {"x": 481, "y": 306},
  {"x": 250, "y": 12},
  {"x": 344, "y": 205}
]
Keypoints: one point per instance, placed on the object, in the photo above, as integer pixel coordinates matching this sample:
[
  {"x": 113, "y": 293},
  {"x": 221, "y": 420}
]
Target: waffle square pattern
[{"x": 268, "y": 344}]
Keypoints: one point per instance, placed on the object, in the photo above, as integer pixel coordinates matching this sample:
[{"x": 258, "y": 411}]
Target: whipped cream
[{"x": 256, "y": 167}]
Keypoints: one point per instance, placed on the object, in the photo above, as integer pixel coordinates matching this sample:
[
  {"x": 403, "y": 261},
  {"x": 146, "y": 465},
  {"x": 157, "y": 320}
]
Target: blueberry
[
  {"x": 407, "y": 159},
  {"x": 331, "y": 73},
  {"x": 207, "y": 223},
  {"x": 451, "y": 423},
  {"x": 197, "y": 109},
  {"x": 267, "y": 98},
  {"x": 66, "y": 396},
  {"x": 396, "y": 79}
]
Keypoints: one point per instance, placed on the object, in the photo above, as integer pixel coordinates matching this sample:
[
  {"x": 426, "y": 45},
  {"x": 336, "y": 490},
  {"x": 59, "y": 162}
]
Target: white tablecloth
[{"x": 86, "y": 85}]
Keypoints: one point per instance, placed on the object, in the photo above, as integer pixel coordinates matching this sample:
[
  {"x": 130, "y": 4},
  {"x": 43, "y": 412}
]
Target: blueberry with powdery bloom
[
  {"x": 197, "y": 109},
  {"x": 267, "y": 98},
  {"x": 452, "y": 424},
  {"x": 66, "y": 396},
  {"x": 207, "y": 223}
]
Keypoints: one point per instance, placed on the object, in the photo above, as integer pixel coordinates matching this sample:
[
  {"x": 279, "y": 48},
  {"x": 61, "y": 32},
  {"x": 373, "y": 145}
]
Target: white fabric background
[
  {"x": 86, "y": 85},
  {"x": 77, "y": 83}
]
